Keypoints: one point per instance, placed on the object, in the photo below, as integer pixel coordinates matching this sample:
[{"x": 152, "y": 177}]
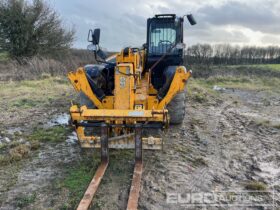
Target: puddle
[
  {"x": 4, "y": 140},
  {"x": 218, "y": 88},
  {"x": 61, "y": 119},
  {"x": 8, "y": 134},
  {"x": 269, "y": 168},
  {"x": 72, "y": 139},
  {"x": 269, "y": 172},
  {"x": 12, "y": 131}
]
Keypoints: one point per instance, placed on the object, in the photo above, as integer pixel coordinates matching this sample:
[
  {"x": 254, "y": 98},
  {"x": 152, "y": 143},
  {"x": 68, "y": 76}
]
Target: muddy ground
[{"x": 228, "y": 143}]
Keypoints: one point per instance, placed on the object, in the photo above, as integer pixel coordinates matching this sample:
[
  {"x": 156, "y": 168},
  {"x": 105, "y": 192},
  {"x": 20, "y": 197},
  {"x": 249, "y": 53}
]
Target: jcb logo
[{"x": 122, "y": 82}]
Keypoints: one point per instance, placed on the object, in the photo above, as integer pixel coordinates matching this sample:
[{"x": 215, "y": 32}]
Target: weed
[
  {"x": 25, "y": 103},
  {"x": 14, "y": 144},
  {"x": 199, "y": 97},
  {"x": 4, "y": 56},
  {"x": 262, "y": 122},
  {"x": 199, "y": 162},
  {"x": 4, "y": 160},
  {"x": 25, "y": 200},
  {"x": 267, "y": 123},
  {"x": 34, "y": 145},
  {"x": 276, "y": 126},
  {"x": 182, "y": 149},
  {"x": 198, "y": 93},
  {"x": 19, "y": 152},
  {"x": 256, "y": 186},
  {"x": 98, "y": 205}
]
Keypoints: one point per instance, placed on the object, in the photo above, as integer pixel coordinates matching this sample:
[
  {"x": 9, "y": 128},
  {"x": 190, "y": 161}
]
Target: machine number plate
[{"x": 122, "y": 82}]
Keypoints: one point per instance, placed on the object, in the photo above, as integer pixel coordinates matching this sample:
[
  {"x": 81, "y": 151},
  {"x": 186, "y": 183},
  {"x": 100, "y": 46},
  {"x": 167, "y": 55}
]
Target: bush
[{"x": 28, "y": 29}]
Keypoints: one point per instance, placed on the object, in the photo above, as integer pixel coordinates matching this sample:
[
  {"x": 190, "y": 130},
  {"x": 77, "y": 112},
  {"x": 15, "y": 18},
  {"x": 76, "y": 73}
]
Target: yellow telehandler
[{"x": 131, "y": 91}]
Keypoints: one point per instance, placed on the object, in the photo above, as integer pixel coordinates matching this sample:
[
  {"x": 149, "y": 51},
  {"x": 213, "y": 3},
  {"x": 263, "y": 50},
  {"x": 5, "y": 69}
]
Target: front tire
[
  {"x": 85, "y": 101},
  {"x": 176, "y": 108}
]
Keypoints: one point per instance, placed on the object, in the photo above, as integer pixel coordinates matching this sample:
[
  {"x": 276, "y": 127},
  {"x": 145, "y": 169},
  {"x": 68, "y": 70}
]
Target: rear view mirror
[
  {"x": 191, "y": 19},
  {"x": 94, "y": 36}
]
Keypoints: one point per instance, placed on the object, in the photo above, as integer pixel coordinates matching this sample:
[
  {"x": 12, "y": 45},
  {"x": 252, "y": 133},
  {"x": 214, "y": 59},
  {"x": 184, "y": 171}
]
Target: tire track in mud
[{"x": 231, "y": 144}]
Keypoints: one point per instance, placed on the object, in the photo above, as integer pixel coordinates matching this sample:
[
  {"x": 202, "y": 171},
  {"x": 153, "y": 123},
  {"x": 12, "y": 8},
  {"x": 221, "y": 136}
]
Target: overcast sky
[{"x": 123, "y": 22}]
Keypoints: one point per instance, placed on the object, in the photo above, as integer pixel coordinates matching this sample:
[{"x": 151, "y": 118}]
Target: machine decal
[{"x": 122, "y": 82}]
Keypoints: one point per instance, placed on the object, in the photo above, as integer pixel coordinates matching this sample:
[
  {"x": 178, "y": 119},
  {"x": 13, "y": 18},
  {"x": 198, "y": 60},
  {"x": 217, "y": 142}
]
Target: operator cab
[
  {"x": 164, "y": 38},
  {"x": 164, "y": 32}
]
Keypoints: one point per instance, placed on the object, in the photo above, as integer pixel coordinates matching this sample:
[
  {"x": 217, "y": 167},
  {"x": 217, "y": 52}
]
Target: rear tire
[{"x": 176, "y": 108}]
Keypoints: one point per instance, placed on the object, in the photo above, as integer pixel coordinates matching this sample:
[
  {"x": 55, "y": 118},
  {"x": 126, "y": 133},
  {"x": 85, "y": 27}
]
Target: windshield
[{"x": 162, "y": 37}]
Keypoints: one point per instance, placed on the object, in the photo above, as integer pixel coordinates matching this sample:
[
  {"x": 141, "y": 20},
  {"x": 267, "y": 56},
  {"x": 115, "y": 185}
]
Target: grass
[
  {"x": 4, "y": 56},
  {"x": 200, "y": 92},
  {"x": 273, "y": 67},
  {"x": 253, "y": 68},
  {"x": 240, "y": 82},
  {"x": 80, "y": 174},
  {"x": 256, "y": 186},
  {"x": 4, "y": 160},
  {"x": 118, "y": 175},
  {"x": 33, "y": 93},
  {"x": 77, "y": 181},
  {"x": 182, "y": 149},
  {"x": 78, "y": 177},
  {"x": 25, "y": 200},
  {"x": 35, "y": 145},
  {"x": 52, "y": 134},
  {"x": 25, "y": 103}
]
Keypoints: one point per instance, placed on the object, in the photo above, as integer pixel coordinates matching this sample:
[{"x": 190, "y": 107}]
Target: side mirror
[
  {"x": 94, "y": 36},
  {"x": 191, "y": 19}
]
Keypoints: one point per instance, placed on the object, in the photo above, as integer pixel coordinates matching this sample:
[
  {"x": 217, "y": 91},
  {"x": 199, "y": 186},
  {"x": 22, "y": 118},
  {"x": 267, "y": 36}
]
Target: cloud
[
  {"x": 124, "y": 23},
  {"x": 257, "y": 17}
]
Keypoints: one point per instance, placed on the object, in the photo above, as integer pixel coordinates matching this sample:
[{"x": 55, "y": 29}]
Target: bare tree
[{"x": 228, "y": 54}]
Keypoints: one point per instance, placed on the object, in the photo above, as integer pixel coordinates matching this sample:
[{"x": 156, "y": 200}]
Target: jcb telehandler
[{"x": 138, "y": 88}]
